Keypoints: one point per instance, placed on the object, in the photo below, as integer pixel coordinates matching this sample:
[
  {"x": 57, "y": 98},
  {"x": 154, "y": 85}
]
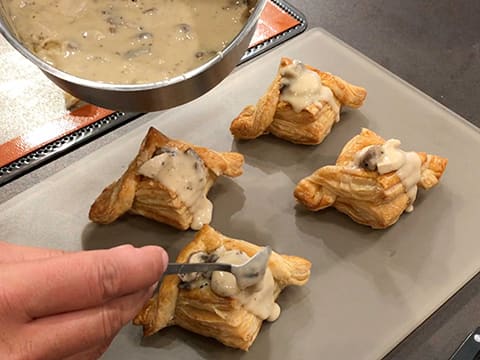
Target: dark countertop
[{"x": 434, "y": 45}]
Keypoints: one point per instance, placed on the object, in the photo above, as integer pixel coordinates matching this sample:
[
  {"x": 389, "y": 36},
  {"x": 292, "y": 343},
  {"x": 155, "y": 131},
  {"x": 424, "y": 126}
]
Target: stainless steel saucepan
[{"x": 149, "y": 96}]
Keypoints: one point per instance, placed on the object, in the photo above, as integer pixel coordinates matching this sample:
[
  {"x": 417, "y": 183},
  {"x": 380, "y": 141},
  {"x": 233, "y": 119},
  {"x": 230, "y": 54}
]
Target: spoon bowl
[{"x": 247, "y": 274}]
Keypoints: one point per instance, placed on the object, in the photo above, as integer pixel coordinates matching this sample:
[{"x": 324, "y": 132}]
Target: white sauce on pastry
[
  {"x": 186, "y": 175},
  {"x": 127, "y": 41},
  {"x": 389, "y": 157},
  {"x": 303, "y": 87},
  {"x": 258, "y": 299},
  {"x": 195, "y": 258},
  {"x": 224, "y": 283}
]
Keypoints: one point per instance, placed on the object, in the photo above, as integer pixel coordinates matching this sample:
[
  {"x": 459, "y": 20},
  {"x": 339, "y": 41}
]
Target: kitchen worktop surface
[{"x": 434, "y": 46}]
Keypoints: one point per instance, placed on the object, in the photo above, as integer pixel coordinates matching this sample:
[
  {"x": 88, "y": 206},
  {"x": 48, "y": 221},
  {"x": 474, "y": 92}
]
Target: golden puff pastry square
[
  {"x": 373, "y": 180},
  {"x": 196, "y": 305},
  {"x": 301, "y": 105},
  {"x": 168, "y": 181}
]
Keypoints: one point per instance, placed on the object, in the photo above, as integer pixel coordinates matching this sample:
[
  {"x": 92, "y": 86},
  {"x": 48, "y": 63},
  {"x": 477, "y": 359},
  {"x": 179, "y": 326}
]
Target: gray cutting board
[{"x": 368, "y": 289}]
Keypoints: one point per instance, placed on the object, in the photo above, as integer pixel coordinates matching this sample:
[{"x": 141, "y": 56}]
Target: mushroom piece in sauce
[{"x": 369, "y": 158}]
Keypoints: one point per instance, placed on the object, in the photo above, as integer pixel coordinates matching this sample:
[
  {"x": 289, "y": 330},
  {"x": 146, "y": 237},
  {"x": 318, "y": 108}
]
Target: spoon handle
[{"x": 175, "y": 268}]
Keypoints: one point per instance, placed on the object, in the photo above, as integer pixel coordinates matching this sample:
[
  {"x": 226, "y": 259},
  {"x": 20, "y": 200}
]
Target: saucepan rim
[{"x": 44, "y": 66}]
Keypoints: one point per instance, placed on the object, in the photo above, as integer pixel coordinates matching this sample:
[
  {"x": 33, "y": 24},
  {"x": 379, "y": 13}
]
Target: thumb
[{"x": 85, "y": 279}]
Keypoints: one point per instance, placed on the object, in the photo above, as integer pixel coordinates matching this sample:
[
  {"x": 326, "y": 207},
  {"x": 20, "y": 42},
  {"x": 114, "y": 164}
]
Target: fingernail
[
  {"x": 153, "y": 288},
  {"x": 164, "y": 260},
  {"x": 163, "y": 254},
  {"x": 124, "y": 246}
]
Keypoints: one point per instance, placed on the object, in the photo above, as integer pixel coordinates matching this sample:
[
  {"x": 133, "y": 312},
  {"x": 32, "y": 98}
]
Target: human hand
[{"x": 59, "y": 305}]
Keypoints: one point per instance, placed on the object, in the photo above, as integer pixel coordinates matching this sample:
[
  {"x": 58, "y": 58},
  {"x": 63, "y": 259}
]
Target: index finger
[
  {"x": 10, "y": 253},
  {"x": 82, "y": 280}
]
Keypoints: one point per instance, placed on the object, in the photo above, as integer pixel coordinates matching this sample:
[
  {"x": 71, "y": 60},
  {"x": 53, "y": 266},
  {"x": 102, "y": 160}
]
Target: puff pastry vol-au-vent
[
  {"x": 211, "y": 304},
  {"x": 168, "y": 181},
  {"x": 373, "y": 181},
  {"x": 301, "y": 105}
]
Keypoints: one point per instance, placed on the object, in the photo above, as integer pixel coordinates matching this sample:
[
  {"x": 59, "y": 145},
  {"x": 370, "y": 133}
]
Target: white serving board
[{"x": 368, "y": 289}]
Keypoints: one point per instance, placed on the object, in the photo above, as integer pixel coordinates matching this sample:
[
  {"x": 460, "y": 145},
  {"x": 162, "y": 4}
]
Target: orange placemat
[
  {"x": 35, "y": 125},
  {"x": 273, "y": 21}
]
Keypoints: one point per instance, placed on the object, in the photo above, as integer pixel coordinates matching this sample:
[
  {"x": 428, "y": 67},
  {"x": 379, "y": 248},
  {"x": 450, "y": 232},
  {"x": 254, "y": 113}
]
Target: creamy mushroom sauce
[
  {"x": 184, "y": 173},
  {"x": 127, "y": 41},
  {"x": 258, "y": 299},
  {"x": 302, "y": 87},
  {"x": 389, "y": 157}
]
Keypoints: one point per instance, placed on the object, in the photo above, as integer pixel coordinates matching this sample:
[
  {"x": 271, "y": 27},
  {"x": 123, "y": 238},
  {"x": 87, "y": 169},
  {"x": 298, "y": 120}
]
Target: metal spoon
[{"x": 247, "y": 274}]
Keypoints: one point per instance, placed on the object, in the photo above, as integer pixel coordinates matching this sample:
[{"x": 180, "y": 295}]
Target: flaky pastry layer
[
  {"x": 310, "y": 126},
  {"x": 366, "y": 196},
  {"x": 201, "y": 311},
  {"x": 141, "y": 195}
]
